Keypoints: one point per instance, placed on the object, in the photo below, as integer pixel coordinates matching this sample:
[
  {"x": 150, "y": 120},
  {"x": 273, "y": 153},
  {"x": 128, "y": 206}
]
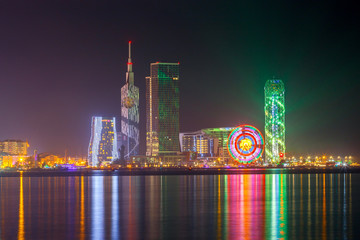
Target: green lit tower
[
  {"x": 274, "y": 120},
  {"x": 162, "y": 109}
]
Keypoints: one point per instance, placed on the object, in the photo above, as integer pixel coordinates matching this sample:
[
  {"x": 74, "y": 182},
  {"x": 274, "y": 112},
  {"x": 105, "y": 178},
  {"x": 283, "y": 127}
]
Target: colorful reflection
[
  {"x": 246, "y": 218},
  {"x": 276, "y": 206},
  {"x": 243, "y": 206}
]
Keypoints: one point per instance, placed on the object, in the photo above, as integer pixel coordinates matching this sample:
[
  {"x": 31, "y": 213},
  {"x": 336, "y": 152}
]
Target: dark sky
[{"x": 62, "y": 62}]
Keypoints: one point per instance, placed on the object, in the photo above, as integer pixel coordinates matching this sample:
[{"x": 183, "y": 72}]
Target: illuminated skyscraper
[
  {"x": 162, "y": 109},
  {"x": 103, "y": 144},
  {"x": 130, "y": 113},
  {"x": 274, "y": 120}
]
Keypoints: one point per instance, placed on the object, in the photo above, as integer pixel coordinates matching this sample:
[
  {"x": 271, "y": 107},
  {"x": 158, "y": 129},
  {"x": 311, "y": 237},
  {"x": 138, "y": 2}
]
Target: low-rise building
[
  {"x": 207, "y": 143},
  {"x": 49, "y": 160},
  {"x": 198, "y": 142},
  {"x": 14, "y": 161}
]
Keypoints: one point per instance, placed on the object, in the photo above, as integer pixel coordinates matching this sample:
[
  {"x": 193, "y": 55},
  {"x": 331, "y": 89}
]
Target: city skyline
[
  {"x": 179, "y": 119},
  {"x": 55, "y": 78}
]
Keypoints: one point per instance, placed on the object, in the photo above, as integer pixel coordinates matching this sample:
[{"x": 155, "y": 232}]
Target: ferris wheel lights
[{"x": 245, "y": 144}]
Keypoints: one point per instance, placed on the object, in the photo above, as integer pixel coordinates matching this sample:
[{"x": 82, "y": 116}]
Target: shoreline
[{"x": 176, "y": 171}]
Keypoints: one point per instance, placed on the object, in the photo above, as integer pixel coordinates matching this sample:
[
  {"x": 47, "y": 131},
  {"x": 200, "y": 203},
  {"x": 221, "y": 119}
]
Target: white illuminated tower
[
  {"x": 130, "y": 113},
  {"x": 103, "y": 144}
]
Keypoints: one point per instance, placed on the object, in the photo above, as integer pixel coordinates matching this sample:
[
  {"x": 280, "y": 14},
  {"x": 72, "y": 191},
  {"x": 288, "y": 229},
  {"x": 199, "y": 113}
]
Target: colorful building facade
[
  {"x": 129, "y": 136},
  {"x": 221, "y": 134},
  {"x": 274, "y": 120},
  {"x": 200, "y": 143},
  {"x": 162, "y": 109}
]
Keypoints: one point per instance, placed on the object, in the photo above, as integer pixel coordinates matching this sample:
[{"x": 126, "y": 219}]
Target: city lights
[
  {"x": 254, "y": 136},
  {"x": 162, "y": 109},
  {"x": 274, "y": 120},
  {"x": 245, "y": 144},
  {"x": 103, "y": 144},
  {"x": 130, "y": 135},
  {"x": 166, "y": 147}
]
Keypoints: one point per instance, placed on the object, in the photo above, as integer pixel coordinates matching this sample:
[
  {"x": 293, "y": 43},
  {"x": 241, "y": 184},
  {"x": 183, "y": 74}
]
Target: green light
[{"x": 274, "y": 120}]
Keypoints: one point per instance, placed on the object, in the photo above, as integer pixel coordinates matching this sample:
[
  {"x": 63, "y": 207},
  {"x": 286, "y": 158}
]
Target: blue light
[{"x": 97, "y": 208}]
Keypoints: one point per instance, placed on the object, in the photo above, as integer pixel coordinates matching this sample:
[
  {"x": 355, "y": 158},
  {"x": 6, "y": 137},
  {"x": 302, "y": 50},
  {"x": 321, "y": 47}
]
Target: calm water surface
[{"x": 244, "y": 206}]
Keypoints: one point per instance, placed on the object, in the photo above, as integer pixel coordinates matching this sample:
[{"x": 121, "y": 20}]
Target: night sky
[{"x": 62, "y": 62}]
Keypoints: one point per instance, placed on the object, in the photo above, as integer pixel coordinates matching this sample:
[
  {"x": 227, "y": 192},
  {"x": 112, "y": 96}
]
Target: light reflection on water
[
  {"x": 246, "y": 206},
  {"x": 97, "y": 208}
]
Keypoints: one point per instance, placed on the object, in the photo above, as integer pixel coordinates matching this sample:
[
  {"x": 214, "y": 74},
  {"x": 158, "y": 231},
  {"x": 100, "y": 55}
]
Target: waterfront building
[
  {"x": 129, "y": 136},
  {"x": 103, "y": 144},
  {"x": 162, "y": 109},
  {"x": 173, "y": 160},
  {"x": 222, "y": 135},
  {"x": 2, "y": 155},
  {"x": 274, "y": 120},
  {"x": 198, "y": 142},
  {"x": 207, "y": 143},
  {"x": 12, "y": 161},
  {"x": 49, "y": 160},
  {"x": 14, "y": 147}
]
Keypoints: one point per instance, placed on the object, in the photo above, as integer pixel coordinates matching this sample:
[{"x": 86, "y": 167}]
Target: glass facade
[
  {"x": 274, "y": 120},
  {"x": 162, "y": 109},
  {"x": 103, "y": 144}
]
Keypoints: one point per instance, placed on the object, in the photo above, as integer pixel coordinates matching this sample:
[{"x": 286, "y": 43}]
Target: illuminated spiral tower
[{"x": 274, "y": 120}]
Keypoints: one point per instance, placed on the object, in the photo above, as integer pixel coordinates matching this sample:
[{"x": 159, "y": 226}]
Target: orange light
[{"x": 245, "y": 144}]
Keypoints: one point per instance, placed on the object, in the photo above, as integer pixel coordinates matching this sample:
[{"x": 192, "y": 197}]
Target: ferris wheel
[{"x": 245, "y": 144}]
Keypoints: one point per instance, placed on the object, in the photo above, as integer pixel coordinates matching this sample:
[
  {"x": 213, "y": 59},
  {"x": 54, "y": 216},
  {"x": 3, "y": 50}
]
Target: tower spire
[
  {"x": 129, "y": 60},
  {"x": 129, "y": 113},
  {"x": 129, "y": 73},
  {"x": 129, "y": 64}
]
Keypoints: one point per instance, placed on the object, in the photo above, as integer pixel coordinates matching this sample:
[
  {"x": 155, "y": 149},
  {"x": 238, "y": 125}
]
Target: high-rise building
[
  {"x": 162, "y": 109},
  {"x": 129, "y": 137},
  {"x": 274, "y": 120},
  {"x": 14, "y": 147},
  {"x": 103, "y": 144}
]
